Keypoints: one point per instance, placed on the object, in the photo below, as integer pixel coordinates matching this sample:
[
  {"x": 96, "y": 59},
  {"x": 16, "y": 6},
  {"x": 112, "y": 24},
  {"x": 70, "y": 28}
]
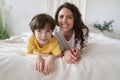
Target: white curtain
[
  {"x": 52, "y": 5},
  {"x": 1, "y": 2},
  {"x": 4, "y": 12}
]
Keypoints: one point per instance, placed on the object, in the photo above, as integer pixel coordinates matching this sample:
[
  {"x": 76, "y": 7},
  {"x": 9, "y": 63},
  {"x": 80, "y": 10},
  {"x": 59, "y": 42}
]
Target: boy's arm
[
  {"x": 49, "y": 64},
  {"x": 32, "y": 55},
  {"x": 39, "y": 61}
]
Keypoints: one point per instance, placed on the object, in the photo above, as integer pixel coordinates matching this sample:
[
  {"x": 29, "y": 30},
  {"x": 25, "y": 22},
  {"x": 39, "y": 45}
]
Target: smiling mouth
[
  {"x": 43, "y": 39},
  {"x": 64, "y": 25}
]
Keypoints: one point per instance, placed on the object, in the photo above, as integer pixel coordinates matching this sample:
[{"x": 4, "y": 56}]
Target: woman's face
[{"x": 65, "y": 19}]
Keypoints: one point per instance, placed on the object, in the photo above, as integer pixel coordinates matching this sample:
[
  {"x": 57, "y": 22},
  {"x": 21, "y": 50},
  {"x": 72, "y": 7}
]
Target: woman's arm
[{"x": 72, "y": 56}]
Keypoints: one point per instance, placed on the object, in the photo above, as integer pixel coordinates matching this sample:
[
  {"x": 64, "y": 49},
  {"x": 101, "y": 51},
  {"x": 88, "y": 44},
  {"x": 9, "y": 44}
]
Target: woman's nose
[{"x": 64, "y": 19}]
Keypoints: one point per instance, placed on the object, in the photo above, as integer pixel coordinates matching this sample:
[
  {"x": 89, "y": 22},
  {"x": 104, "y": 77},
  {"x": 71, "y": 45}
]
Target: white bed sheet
[{"x": 100, "y": 61}]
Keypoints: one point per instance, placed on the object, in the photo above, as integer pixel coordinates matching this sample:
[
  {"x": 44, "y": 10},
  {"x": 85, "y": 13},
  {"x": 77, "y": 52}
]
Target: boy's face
[{"x": 43, "y": 35}]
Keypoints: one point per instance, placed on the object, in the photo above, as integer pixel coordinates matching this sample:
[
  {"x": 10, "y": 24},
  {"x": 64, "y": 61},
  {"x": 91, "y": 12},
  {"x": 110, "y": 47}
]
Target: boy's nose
[{"x": 43, "y": 34}]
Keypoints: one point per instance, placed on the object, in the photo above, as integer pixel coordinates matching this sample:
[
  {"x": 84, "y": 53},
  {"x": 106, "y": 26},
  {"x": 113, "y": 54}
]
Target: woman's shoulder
[{"x": 56, "y": 30}]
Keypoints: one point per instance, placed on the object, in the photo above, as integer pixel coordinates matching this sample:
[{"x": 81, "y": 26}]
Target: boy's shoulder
[
  {"x": 53, "y": 39},
  {"x": 32, "y": 36}
]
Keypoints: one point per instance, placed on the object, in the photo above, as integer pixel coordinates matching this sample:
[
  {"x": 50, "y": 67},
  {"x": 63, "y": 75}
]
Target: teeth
[
  {"x": 44, "y": 40},
  {"x": 64, "y": 25}
]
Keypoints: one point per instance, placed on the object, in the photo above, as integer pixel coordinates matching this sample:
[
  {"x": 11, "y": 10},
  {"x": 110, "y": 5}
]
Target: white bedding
[{"x": 100, "y": 61}]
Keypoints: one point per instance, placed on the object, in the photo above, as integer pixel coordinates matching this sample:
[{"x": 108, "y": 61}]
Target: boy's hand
[
  {"x": 49, "y": 64},
  {"x": 39, "y": 63}
]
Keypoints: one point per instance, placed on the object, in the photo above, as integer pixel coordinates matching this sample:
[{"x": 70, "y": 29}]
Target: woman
[{"x": 71, "y": 32}]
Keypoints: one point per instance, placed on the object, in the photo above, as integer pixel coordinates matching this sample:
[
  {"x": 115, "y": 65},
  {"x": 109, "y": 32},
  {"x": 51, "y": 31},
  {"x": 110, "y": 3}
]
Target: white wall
[
  {"x": 22, "y": 12},
  {"x": 96, "y": 10},
  {"x": 104, "y": 10}
]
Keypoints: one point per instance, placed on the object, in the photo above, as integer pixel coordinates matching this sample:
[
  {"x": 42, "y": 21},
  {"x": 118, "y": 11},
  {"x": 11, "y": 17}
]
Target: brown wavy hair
[
  {"x": 81, "y": 30},
  {"x": 39, "y": 21}
]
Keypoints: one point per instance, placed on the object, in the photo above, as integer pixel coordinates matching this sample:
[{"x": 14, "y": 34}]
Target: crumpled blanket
[{"x": 100, "y": 61}]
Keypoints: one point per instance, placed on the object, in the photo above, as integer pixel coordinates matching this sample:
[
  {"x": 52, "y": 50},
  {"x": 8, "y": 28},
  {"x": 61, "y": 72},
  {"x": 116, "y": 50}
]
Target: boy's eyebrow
[{"x": 44, "y": 29}]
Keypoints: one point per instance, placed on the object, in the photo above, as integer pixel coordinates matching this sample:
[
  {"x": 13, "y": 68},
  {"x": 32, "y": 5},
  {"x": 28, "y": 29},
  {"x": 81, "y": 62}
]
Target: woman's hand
[
  {"x": 39, "y": 63},
  {"x": 71, "y": 56},
  {"x": 76, "y": 52}
]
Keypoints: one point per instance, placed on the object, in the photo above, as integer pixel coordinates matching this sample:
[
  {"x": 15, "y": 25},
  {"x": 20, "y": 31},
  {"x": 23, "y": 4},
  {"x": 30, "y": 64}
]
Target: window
[{"x": 52, "y": 5}]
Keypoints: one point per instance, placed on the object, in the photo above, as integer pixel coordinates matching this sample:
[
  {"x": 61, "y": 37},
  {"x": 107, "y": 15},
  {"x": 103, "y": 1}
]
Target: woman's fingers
[{"x": 71, "y": 59}]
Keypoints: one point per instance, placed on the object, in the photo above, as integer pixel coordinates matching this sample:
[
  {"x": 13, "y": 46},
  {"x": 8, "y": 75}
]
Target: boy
[{"x": 43, "y": 42}]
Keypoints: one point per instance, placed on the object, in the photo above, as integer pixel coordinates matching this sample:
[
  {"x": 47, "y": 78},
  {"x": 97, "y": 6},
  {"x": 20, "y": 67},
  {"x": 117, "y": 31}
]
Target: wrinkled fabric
[{"x": 100, "y": 61}]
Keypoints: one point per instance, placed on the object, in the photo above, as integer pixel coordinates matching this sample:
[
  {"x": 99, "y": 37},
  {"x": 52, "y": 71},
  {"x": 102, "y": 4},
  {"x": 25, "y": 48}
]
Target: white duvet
[{"x": 100, "y": 61}]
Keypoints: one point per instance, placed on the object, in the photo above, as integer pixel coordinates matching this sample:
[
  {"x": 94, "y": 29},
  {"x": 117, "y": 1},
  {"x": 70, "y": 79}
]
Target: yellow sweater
[{"x": 51, "y": 47}]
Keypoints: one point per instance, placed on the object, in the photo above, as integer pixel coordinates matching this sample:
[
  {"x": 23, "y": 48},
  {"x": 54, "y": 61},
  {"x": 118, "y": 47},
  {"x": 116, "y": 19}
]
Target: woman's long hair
[{"x": 81, "y": 30}]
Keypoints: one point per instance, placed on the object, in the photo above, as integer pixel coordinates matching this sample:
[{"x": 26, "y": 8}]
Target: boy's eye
[
  {"x": 49, "y": 31},
  {"x": 39, "y": 30}
]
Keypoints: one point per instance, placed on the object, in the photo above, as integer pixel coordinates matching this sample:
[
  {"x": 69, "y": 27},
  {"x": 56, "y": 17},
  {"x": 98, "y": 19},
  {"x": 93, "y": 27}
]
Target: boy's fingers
[{"x": 41, "y": 67}]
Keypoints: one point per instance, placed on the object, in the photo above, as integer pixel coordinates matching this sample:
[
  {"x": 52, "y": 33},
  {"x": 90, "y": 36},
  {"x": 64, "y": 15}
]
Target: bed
[{"x": 100, "y": 61}]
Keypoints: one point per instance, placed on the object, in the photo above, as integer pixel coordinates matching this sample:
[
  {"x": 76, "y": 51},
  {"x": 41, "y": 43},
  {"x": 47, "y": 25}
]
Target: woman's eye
[
  {"x": 69, "y": 17},
  {"x": 61, "y": 16}
]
